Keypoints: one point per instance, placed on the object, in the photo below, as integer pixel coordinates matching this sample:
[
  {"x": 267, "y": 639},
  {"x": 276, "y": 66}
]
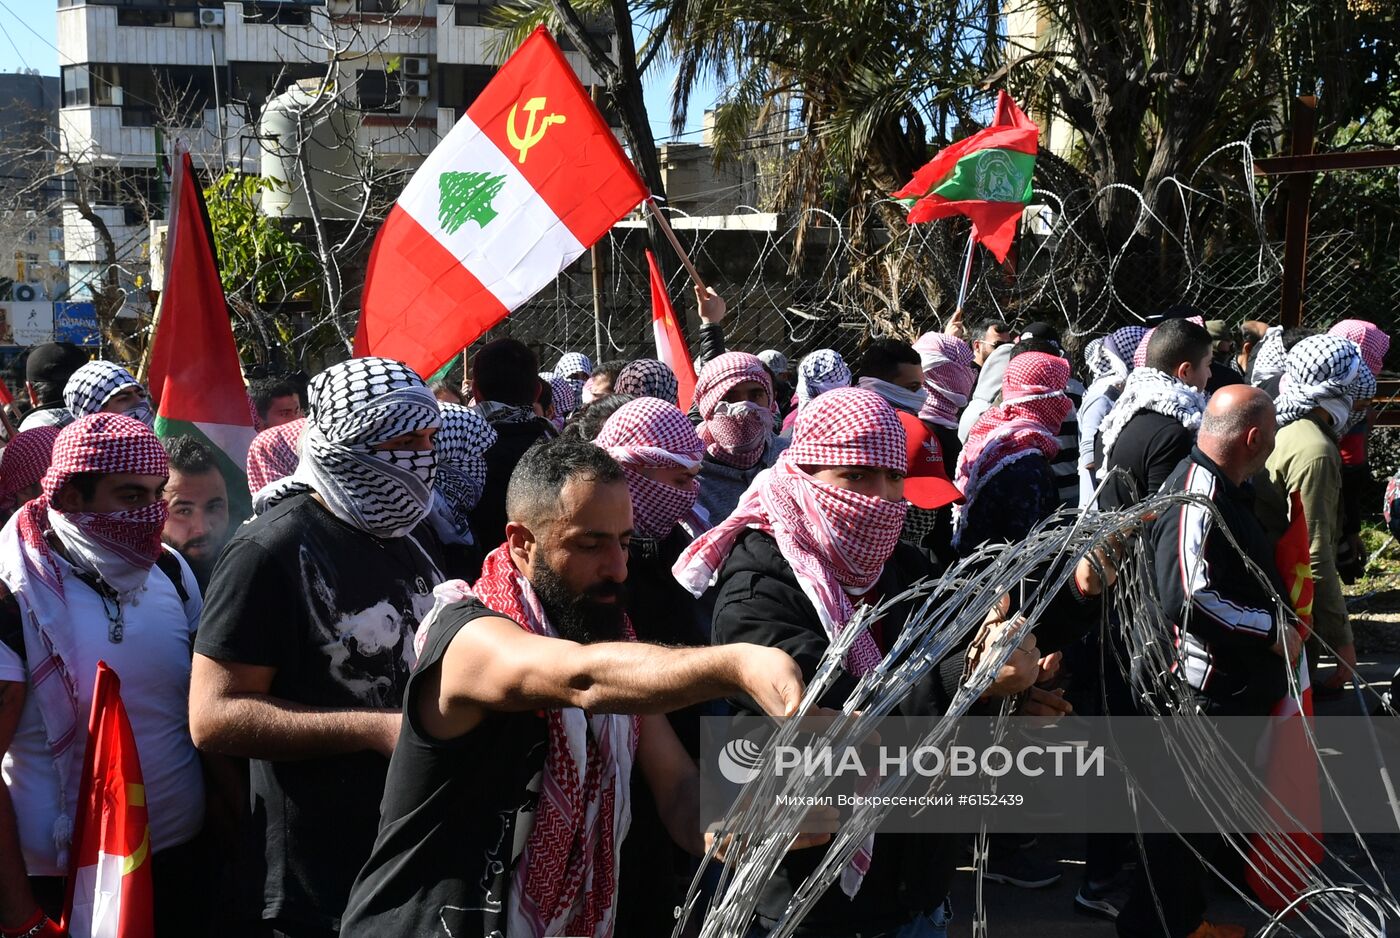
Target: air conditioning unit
[
  {"x": 415, "y": 67},
  {"x": 415, "y": 88},
  {"x": 25, "y": 292},
  {"x": 210, "y": 17}
]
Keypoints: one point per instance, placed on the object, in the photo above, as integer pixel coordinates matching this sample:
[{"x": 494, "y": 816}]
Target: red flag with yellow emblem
[
  {"x": 1276, "y": 869},
  {"x": 109, "y": 887}
]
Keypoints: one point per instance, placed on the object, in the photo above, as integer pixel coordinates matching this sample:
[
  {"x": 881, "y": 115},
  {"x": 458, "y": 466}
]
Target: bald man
[{"x": 1234, "y": 648}]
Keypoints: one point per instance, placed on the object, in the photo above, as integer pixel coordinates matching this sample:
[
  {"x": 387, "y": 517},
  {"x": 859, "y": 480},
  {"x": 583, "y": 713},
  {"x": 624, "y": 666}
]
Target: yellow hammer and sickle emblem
[{"x": 533, "y": 134}]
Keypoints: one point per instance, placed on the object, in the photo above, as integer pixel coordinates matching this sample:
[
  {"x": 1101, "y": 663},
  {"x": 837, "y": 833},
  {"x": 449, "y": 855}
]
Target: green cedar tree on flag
[
  {"x": 195, "y": 377},
  {"x": 986, "y": 177},
  {"x": 528, "y": 178}
]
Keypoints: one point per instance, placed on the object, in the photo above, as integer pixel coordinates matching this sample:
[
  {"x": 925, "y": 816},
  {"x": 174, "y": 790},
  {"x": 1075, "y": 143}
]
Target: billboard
[{"x": 75, "y": 322}]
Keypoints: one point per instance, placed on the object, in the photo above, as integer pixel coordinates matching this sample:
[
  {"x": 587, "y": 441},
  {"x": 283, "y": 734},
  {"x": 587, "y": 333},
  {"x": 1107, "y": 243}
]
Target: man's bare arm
[
  {"x": 232, "y": 712},
  {"x": 493, "y": 664}
]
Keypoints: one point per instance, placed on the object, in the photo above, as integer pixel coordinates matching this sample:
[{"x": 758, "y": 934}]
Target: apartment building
[{"x": 140, "y": 74}]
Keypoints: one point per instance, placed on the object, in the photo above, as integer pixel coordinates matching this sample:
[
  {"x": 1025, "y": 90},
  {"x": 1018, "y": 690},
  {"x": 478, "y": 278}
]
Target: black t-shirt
[
  {"x": 488, "y": 518},
  {"x": 1150, "y": 446},
  {"x": 334, "y": 610},
  {"x": 441, "y": 865}
]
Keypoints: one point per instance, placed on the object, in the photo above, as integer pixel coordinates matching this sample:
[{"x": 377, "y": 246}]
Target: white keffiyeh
[{"x": 1150, "y": 389}]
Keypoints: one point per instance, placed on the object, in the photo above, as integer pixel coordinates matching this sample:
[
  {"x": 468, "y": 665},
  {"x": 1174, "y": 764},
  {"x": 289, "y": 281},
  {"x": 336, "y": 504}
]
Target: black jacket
[
  {"x": 758, "y": 600},
  {"x": 488, "y": 518},
  {"x": 654, "y": 870},
  {"x": 1150, "y": 447},
  {"x": 1231, "y": 627}
]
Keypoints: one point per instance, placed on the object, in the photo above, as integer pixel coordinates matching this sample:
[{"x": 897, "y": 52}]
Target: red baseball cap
[{"x": 926, "y": 485}]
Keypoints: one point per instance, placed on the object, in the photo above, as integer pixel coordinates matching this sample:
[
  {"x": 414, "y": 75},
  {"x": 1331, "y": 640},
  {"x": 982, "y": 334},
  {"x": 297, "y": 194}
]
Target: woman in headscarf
[
  {"x": 460, "y": 446},
  {"x": 1109, "y": 360},
  {"x": 815, "y": 537},
  {"x": 821, "y": 371},
  {"x": 647, "y": 377},
  {"x": 734, "y": 395},
  {"x": 660, "y": 454},
  {"x": 1004, "y": 469}
]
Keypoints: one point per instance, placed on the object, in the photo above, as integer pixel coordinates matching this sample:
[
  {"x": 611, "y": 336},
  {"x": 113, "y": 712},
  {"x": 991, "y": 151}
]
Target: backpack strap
[{"x": 170, "y": 565}]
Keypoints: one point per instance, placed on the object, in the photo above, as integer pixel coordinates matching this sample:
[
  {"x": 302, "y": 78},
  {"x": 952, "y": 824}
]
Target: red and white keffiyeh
[
  {"x": 100, "y": 443},
  {"x": 1140, "y": 353},
  {"x": 24, "y": 461},
  {"x": 1373, "y": 341},
  {"x": 649, "y": 433},
  {"x": 273, "y": 454},
  {"x": 1028, "y": 419},
  {"x": 734, "y": 434},
  {"x": 949, "y": 377},
  {"x": 837, "y": 541},
  {"x": 565, "y": 882}
]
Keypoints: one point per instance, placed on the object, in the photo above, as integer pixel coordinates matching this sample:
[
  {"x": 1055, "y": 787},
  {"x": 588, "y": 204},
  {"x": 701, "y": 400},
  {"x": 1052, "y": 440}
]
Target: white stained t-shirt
[{"x": 153, "y": 662}]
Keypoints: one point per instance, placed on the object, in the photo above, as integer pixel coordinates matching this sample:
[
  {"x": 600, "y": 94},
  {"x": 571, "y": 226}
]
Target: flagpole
[
  {"x": 665, "y": 227},
  {"x": 967, "y": 273},
  {"x": 593, "y": 259},
  {"x": 177, "y": 176}
]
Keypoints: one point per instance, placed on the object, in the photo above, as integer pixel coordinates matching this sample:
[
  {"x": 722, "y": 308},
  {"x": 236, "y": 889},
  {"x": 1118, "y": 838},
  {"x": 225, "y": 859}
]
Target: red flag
[
  {"x": 1291, "y": 773},
  {"x": 109, "y": 885},
  {"x": 986, "y": 177},
  {"x": 671, "y": 349},
  {"x": 6, "y": 398},
  {"x": 195, "y": 377},
  {"x": 525, "y": 182}
]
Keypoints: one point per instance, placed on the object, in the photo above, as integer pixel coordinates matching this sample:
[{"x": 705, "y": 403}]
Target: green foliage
[{"x": 259, "y": 257}]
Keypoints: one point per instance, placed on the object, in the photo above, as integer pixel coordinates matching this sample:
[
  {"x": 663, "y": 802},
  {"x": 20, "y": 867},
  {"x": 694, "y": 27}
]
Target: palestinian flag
[
  {"x": 1276, "y": 869},
  {"x": 986, "y": 177},
  {"x": 528, "y": 179},
  {"x": 110, "y": 893},
  {"x": 195, "y": 379},
  {"x": 671, "y": 349}
]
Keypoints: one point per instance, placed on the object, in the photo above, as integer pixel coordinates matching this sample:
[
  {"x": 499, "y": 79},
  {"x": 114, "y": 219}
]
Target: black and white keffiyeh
[
  {"x": 461, "y": 444},
  {"x": 647, "y": 377},
  {"x": 92, "y": 385},
  {"x": 1271, "y": 359},
  {"x": 1157, "y": 391},
  {"x": 1322, "y": 371},
  {"x": 573, "y": 363},
  {"x": 353, "y": 406},
  {"x": 819, "y": 372},
  {"x": 1111, "y": 358}
]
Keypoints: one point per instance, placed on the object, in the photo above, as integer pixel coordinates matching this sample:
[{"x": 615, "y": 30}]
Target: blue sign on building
[{"x": 75, "y": 322}]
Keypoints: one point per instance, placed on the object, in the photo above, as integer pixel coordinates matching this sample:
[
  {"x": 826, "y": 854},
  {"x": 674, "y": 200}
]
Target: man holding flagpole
[{"x": 87, "y": 579}]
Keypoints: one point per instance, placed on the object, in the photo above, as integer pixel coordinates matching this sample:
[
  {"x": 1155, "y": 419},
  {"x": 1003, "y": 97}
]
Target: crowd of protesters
[{"x": 448, "y": 679}]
